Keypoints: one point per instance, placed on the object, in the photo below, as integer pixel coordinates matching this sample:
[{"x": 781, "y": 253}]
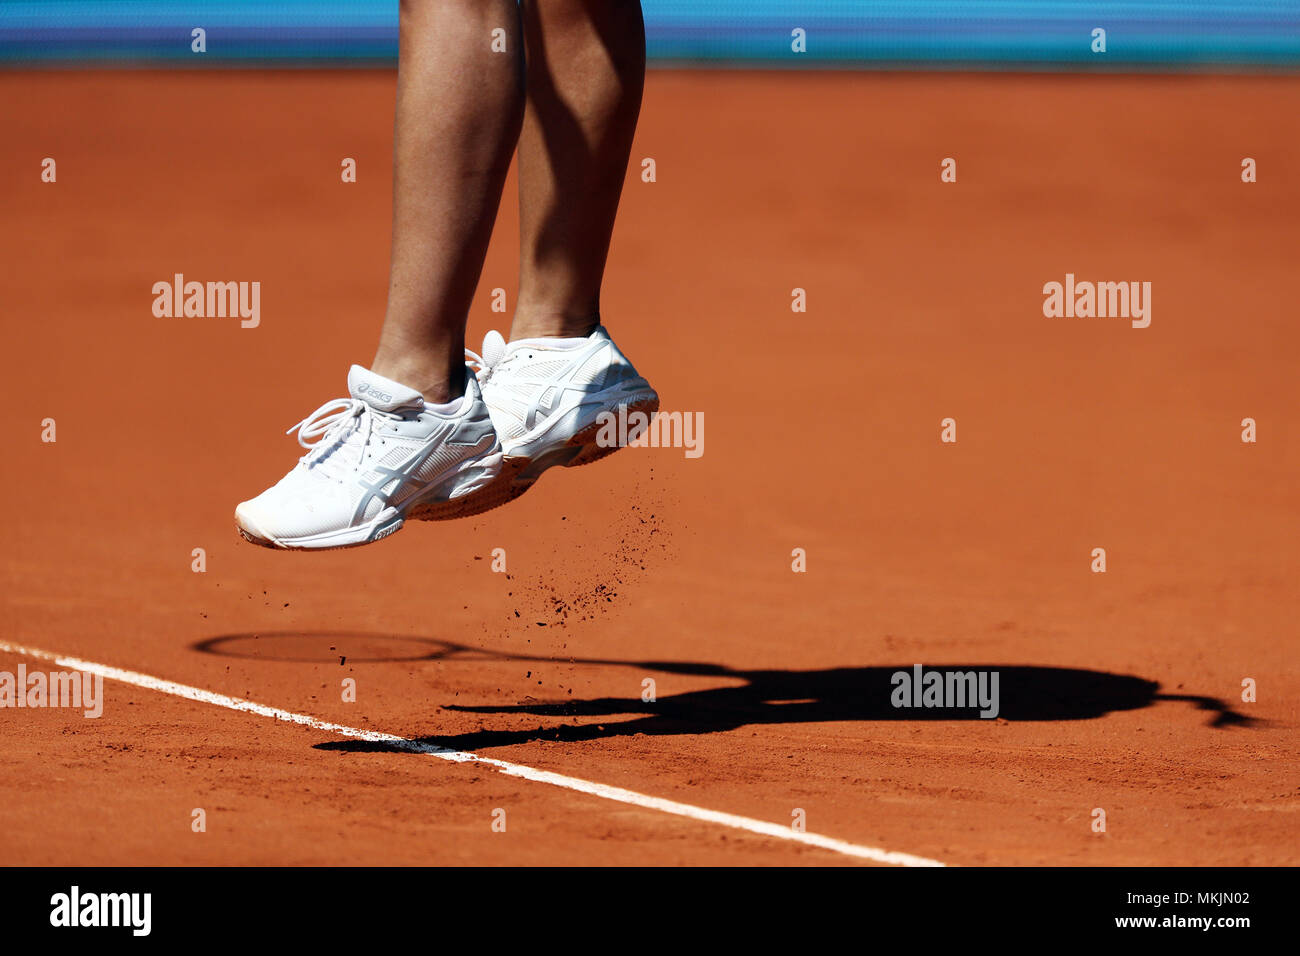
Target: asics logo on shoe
[
  {"x": 540, "y": 410},
  {"x": 558, "y": 386},
  {"x": 402, "y": 472},
  {"x": 365, "y": 388},
  {"x": 544, "y": 406},
  {"x": 472, "y": 431}
]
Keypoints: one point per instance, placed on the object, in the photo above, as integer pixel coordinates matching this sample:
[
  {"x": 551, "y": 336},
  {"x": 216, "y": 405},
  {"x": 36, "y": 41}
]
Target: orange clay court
[{"x": 1121, "y": 690}]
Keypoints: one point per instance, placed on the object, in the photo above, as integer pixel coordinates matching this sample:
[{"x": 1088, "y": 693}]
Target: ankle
[
  {"x": 545, "y": 324},
  {"x": 437, "y": 387}
]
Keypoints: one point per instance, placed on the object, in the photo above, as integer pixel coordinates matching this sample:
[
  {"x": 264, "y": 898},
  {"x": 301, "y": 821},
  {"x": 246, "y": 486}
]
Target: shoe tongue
[
  {"x": 494, "y": 348},
  {"x": 382, "y": 393}
]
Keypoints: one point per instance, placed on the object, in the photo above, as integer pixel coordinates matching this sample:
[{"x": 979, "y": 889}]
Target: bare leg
[
  {"x": 459, "y": 109},
  {"x": 585, "y": 73}
]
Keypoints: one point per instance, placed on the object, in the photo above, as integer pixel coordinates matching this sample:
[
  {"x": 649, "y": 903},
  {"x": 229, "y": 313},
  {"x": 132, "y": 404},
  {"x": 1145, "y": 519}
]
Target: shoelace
[
  {"x": 482, "y": 370},
  {"x": 495, "y": 356},
  {"x": 329, "y": 425}
]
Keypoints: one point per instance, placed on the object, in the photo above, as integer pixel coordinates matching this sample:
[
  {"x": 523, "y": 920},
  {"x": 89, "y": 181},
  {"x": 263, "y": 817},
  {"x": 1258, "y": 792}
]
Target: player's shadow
[
  {"x": 749, "y": 697},
  {"x": 815, "y": 696}
]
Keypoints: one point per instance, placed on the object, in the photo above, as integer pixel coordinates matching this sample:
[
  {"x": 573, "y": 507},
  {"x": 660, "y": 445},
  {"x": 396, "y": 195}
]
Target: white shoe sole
[{"x": 473, "y": 487}]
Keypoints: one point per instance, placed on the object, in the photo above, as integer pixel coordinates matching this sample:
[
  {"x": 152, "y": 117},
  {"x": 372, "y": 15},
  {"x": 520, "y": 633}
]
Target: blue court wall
[{"x": 921, "y": 34}]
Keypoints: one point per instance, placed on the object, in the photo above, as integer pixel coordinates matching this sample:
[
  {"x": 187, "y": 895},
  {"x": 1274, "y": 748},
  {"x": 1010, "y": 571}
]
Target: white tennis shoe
[
  {"x": 549, "y": 399},
  {"x": 380, "y": 457}
]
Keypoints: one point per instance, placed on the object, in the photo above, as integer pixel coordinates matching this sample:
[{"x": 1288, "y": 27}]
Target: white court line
[{"x": 605, "y": 791}]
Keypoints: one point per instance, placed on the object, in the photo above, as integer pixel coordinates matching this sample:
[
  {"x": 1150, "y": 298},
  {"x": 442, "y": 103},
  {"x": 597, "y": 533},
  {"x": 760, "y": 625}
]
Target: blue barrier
[{"x": 920, "y": 33}]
